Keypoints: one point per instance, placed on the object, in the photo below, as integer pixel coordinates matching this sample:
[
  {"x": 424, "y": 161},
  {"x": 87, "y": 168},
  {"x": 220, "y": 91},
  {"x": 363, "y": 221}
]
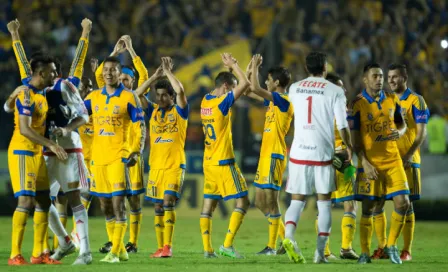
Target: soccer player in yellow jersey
[
  {"x": 416, "y": 116},
  {"x": 168, "y": 121},
  {"x": 272, "y": 163},
  {"x": 26, "y": 163},
  {"x": 223, "y": 179},
  {"x": 134, "y": 174},
  {"x": 377, "y": 123},
  {"x": 344, "y": 194},
  {"x": 114, "y": 109}
]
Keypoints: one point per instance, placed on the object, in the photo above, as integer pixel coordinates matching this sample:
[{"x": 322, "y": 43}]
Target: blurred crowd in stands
[{"x": 352, "y": 32}]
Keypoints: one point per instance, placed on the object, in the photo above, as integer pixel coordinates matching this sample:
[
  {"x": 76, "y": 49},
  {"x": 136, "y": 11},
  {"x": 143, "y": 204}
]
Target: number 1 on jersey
[{"x": 310, "y": 105}]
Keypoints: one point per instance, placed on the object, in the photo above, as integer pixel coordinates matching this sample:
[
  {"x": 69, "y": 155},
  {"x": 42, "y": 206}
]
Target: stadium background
[{"x": 194, "y": 32}]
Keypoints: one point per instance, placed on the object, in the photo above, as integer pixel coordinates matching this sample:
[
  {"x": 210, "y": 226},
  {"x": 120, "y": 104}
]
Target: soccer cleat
[
  {"x": 83, "y": 259},
  {"x": 131, "y": 248},
  {"x": 123, "y": 256},
  {"x": 379, "y": 253},
  {"x": 110, "y": 258},
  {"x": 281, "y": 250},
  {"x": 405, "y": 255},
  {"x": 320, "y": 258},
  {"x": 348, "y": 254},
  {"x": 106, "y": 248},
  {"x": 331, "y": 257},
  {"x": 393, "y": 255},
  {"x": 17, "y": 260},
  {"x": 44, "y": 259},
  {"x": 293, "y": 251},
  {"x": 75, "y": 239},
  {"x": 157, "y": 254},
  {"x": 364, "y": 259},
  {"x": 167, "y": 252},
  {"x": 267, "y": 251},
  {"x": 62, "y": 252},
  {"x": 210, "y": 255},
  {"x": 230, "y": 252}
]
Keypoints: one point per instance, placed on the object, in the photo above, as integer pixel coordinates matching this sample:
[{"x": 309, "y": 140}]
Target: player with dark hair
[
  {"x": 168, "y": 120},
  {"x": 223, "y": 178},
  {"x": 377, "y": 123},
  {"x": 26, "y": 163},
  {"x": 269, "y": 178},
  {"x": 317, "y": 104}
]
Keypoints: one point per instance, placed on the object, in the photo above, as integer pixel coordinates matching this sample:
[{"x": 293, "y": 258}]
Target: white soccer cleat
[
  {"x": 83, "y": 259},
  {"x": 319, "y": 258},
  {"x": 61, "y": 252}
]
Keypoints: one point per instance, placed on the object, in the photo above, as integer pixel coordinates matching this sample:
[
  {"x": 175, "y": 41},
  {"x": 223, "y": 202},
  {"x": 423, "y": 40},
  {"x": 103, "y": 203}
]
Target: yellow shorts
[
  {"x": 163, "y": 182},
  {"x": 414, "y": 181},
  {"x": 344, "y": 189},
  {"x": 224, "y": 181},
  {"x": 134, "y": 178},
  {"x": 109, "y": 180},
  {"x": 270, "y": 173},
  {"x": 391, "y": 182},
  {"x": 28, "y": 173},
  {"x": 89, "y": 170}
]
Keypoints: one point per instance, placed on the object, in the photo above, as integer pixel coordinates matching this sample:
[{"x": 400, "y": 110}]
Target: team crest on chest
[
  {"x": 370, "y": 116},
  {"x": 116, "y": 110},
  {"x": 171, "y": 117},
  {"x": 97, "y": 108},
  {"x": 391, "y": 113}
]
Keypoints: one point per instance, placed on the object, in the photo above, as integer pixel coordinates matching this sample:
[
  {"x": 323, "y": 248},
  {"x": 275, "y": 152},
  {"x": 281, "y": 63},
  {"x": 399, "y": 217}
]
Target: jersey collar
[
  {"x": 371, "y": 99},
  {"x": 116, "y": 93},
  {"x": 405, "y": 95},
  {"x": 35, "y": 90}
]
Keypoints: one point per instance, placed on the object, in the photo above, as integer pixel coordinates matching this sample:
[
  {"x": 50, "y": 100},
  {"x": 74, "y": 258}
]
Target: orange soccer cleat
[
  {"x": 167, "y": 252},
  {"x": 157, "y": 254},
  {"x": 44, "y": 258},
  {"x": 405, "y": 255},
  {"x": 17, "y": 260}
]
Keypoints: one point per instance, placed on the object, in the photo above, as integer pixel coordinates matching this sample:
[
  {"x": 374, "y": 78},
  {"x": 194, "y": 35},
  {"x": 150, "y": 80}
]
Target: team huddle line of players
[{"x": 67, "y": 134}]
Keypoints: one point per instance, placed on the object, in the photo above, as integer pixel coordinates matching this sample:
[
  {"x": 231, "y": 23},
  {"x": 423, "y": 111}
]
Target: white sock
[
  {"x": 323, "y": 224},
  {"x": 292, "y": 217},
  {"x": 56, "y": 226},
  {"x": 82, "y": 227}
]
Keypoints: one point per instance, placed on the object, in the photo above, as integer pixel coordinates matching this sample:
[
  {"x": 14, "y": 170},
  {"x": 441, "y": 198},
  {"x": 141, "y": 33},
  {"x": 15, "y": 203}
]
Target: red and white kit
[{"x": 317, "y": 103}]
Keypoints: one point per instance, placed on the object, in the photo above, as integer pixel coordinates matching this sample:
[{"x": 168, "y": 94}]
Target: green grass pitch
[{"x": 430, "y": 248}]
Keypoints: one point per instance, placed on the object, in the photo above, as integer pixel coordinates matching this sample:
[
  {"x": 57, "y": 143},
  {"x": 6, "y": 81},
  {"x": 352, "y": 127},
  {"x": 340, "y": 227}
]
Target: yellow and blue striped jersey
[
  {"x": 375, "y": 119},
  {"x": 277, "y": 122},
  {"x": 415, "y": 112},
  {"x": 30, "y": 102},
  {"x": 112, "y": 115},
  {"x": 167, "y": 134},
  {"x": 217, "y": 126}
]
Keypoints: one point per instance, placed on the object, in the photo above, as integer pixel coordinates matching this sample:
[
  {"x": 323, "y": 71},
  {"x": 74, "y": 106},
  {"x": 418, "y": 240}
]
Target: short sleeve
[
  {"x": 226, "y": 103},
  {"x": 354, "y": 115},
  {"x": 280, "y": 102},
  {"x": 150, "y": 107},
  {"x": 340, "y": 110},
  {"x": 266, "y": 102},
  {"x": 135, "y": 110},
  {"x": 24, "y": 103},
  {"x": 420, "y": 112},
  {"x": 183, "y": 112},
  {"x": 74, "y": 80},
  {"x": 88, "y": 103}
]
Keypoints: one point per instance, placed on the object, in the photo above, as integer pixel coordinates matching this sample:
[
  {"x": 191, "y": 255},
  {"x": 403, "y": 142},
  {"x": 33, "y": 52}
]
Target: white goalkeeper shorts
[
  {"x": 307, "y": 179},
  {"x": 68, "y": 175}
]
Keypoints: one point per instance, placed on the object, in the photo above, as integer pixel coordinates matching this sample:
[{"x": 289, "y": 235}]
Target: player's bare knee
[
  {"x": 134, "y": 202},
  {"x": 26, "y": 202},
  {"x": 169, "y": 201},
  {"x": 350, "y": 206},
  {"x": 368, "y": 207},
  {"x": 74, "y": 198},
  {"x": 243, "y": 203},
  {"x": 402, "y": 204}
]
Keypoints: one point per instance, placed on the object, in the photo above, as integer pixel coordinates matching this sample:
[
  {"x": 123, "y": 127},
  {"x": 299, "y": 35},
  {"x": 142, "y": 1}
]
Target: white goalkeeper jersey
[{"x": 317, "y": 103}]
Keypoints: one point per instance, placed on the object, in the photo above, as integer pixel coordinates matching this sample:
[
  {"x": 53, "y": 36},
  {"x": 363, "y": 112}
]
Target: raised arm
[
  {"x": 243, "y": 82},
  {"x": 141, "y": 90},
  {"x": 181, "y": 98},
  {"x": 77, "y": 67},
  {"x": 138, "y": 64},
  {"x": 118, "y": 49},
  {"x": 19, "y": 52},
  {"x": 257, "y": 60}
]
